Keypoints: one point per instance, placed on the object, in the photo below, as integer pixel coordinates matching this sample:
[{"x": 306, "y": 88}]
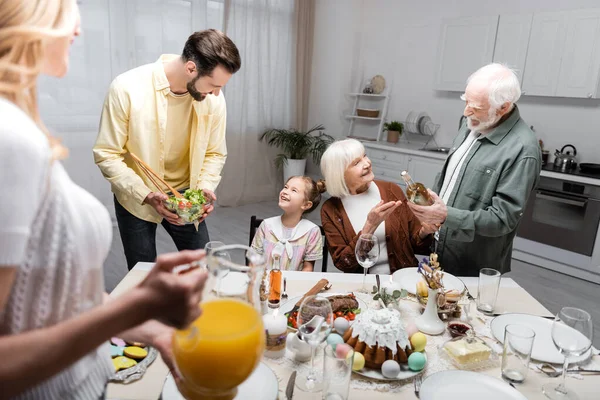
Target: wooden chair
[{"x": 255, "y": 223}]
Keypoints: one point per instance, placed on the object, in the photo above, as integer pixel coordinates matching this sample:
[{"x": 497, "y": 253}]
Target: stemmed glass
[
  {"x": 572, "y": 333},
  {"x": 315, "y": 321},
  {"x": 367, "y": 254}
]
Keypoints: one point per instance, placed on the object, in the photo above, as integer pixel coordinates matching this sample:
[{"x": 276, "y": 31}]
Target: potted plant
[
  {"x": 296, "y": 146},
  {"x": 394, "y": 130}
]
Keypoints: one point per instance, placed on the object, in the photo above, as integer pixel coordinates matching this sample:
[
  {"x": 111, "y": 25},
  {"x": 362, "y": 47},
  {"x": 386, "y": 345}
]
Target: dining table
[{"x": 512, "y": 298}]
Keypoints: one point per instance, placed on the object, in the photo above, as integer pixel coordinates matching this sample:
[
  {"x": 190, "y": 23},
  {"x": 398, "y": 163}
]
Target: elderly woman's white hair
[
  {"x": 502, "y": 82},
  {"x": 335, "y": 162}
]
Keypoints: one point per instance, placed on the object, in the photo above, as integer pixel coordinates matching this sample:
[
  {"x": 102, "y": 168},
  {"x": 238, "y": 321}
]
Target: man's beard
[
  {"x": 191, "y": 88},
  {"x": 484, "y": 125}
]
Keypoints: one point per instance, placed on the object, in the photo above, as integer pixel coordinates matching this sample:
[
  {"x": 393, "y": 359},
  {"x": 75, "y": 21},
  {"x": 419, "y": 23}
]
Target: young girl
[{"x": 288, "y": 240}]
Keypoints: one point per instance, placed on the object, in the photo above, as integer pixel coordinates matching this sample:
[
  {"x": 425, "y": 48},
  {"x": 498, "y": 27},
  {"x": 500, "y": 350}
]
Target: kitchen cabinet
[
  {"x": 465, "y": 45},
  {"x": 546, "y": 46},
  {"x": 580, "y": 67},
  {"x": 512, "y": 40},
  {"x": 389, "y": 161}
]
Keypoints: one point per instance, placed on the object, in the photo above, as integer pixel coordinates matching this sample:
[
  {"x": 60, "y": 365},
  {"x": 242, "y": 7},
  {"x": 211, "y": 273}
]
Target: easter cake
[{"x": 379, "y": 335}]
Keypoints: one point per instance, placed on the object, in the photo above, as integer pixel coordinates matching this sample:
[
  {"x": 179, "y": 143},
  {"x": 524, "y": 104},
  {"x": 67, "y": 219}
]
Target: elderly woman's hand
[{"x": 378, "y": 214}]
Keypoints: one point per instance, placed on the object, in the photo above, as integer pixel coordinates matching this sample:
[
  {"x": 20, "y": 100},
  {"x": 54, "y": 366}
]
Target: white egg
[
  {"x": 341, "y": 325},
  {"x": 390, "y": 369}
]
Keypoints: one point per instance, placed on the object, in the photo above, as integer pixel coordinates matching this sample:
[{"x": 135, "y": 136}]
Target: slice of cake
[{"x": 468, "y": 350}]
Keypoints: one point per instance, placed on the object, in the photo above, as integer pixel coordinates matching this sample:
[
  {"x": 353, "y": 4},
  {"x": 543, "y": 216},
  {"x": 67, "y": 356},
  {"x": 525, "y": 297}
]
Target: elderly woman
[{"x": 360, "y": 204}]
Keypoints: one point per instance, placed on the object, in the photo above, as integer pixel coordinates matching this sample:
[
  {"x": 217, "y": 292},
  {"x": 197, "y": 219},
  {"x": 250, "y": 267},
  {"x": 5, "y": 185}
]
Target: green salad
[{"x": 190, "y": 208}]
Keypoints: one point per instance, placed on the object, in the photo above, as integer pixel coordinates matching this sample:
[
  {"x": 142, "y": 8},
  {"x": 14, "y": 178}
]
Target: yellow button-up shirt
[{"x": 134, "y": 118}]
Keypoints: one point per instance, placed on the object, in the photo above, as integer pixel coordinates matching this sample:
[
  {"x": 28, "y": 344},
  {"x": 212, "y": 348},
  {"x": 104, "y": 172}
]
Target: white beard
[{"x": 484, "y": 125}]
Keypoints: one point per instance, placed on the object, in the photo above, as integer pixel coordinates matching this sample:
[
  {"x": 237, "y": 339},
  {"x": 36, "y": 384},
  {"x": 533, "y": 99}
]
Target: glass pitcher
[{"x": 221, "y": 349}]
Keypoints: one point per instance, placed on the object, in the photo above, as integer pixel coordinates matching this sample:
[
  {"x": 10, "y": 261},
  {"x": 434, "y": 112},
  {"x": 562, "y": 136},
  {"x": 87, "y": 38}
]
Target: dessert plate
[
  {"x": 544, "y": 349},
  {"x": 466, "y": 385},
  {"x": 376, "y": 374},
  {"x": 407, "y": 278},
  {"x": 262, "y": 384}
]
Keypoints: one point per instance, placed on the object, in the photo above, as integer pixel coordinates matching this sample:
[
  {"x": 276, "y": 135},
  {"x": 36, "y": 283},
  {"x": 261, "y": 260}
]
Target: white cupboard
[
  {"x": 465, "y": 45},
  {"x": 512, "y": 40}
]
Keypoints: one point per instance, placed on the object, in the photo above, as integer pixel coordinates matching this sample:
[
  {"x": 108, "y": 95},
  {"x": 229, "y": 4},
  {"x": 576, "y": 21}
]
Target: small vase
[{"x": 429, "y": 322}]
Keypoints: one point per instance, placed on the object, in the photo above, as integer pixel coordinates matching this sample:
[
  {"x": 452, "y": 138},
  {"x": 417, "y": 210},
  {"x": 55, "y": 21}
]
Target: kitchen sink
[{"x": 444, "y": 150}]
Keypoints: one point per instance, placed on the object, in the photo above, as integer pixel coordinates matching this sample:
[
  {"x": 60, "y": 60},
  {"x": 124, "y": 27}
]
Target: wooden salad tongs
[{"x": 154, "y": 177}]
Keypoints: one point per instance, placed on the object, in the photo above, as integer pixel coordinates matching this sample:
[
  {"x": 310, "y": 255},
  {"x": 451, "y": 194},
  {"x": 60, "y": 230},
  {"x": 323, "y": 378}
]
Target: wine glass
[
  {"x": 222, "y": 348},
  {"x": 367, "y": 254},
  {"x": 315, "y": 320},
  {"x": 209, "y": 247},
  {"x": 572, "y": 333}
]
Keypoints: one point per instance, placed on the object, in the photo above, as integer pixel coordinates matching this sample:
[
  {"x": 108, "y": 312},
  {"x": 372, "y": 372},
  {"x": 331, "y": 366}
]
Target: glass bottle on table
[
  {"x": 275, "y": 280},
  {"x": 416, "y": 192}
]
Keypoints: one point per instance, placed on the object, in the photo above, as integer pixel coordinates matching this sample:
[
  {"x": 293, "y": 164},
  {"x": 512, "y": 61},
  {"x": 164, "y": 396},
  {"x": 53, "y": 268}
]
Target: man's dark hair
[{"x": 210, "y": 48}]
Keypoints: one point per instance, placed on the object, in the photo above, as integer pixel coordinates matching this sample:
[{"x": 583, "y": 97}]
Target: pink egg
[
  {"x": 118, "y": 342},
  {"x": 411, "y": 329},
  {"x": 342, "y": 350}
]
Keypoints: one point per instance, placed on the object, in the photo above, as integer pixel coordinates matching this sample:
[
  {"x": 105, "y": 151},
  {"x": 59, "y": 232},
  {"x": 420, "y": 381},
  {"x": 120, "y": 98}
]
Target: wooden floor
[{"x": 231, "y": 225}]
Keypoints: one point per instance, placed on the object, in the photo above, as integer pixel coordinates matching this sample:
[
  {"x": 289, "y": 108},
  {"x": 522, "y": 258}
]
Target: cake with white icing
[{"x": 379, "y": 335}]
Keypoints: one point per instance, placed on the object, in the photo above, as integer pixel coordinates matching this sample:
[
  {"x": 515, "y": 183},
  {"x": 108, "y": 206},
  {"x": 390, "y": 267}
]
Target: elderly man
[{"x": 486, "y": 180}]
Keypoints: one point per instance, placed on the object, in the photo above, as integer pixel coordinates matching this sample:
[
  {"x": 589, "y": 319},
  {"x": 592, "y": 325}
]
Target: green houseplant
[
  {"x": 394, "y": 130},
  {"x": 296, "y": 146}
]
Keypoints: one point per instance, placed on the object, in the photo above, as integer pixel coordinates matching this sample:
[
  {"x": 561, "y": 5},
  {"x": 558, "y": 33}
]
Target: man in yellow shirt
[{"x": 172, "y": 115}]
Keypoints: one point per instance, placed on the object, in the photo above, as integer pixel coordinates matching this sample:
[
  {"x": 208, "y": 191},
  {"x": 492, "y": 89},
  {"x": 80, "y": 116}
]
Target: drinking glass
[
  {"x": 212, "y": 245},
  {"x": 367, "y": 254},
  {"x": 572, "y": 333},
  {"x": 518, "y": 343},
  {"x": 221, "y": 348},
  {"x": 336, "y": 374},
  {"x": 315, "y": 321},
  {"x": 487, "y": 289}
]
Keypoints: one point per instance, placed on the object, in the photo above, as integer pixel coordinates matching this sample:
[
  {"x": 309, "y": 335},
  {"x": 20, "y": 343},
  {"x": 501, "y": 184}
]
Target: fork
[
  {"x": 284, "y": 295},
  {"x": 417, "y": 382}
]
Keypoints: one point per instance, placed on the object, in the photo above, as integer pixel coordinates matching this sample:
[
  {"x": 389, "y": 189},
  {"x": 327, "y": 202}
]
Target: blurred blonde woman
[{"x": 55, "y": 321}]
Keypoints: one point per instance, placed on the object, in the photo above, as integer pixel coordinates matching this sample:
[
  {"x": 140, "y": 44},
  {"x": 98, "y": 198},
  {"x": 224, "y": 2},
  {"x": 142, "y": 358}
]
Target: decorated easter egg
[
  {"x": 390, "y": 369},
  {"x": 341, "y": 325},
  {"x": 123, "y": 362},
  {"x": 116, "y": 351},
  {"x": 359, "y": 361},
  {"x": 416, "y": 361},
  {"x": 411, "y": 329},
  {"x": 118, "y": 342},
  {"x": 334, "y": 339},
  {"x": 418, "y": 341},
  {"x": 342, "y": 350},
  {"x": 137, "y": 353}
]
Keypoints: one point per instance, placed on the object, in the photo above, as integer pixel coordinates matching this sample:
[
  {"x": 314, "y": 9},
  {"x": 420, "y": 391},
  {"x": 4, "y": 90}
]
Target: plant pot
[
  {"x": 429, "y": 322},
  {"x": 293, "y": 168},
  {"x": 393, "y": 136}
]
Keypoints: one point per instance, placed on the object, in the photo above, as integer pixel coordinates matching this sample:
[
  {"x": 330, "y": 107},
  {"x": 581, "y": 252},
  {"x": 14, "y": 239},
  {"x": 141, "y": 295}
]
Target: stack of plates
[{"x": 416, "y": 122}]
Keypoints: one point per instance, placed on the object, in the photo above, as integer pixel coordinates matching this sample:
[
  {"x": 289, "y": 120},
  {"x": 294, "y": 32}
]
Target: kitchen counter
[
  {"x": 575, "y": 175},
  {"x": 406, "y": 148}
]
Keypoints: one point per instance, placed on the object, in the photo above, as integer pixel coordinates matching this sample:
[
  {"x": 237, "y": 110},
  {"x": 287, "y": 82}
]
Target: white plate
[
  {"x": 543, "y": 346},
  {"x": 234, "y": 284},
  {"x": 407, "y": 278},
  {"x": 289, "y": 305},
  {"x": 376, "y": 374},
  {"x": 262, "y": 384},
  {"x": 466, "y": 385}
]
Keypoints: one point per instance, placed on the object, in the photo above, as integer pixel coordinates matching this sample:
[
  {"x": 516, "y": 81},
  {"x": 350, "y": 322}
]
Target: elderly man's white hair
[{"x": 501, "y": 81}]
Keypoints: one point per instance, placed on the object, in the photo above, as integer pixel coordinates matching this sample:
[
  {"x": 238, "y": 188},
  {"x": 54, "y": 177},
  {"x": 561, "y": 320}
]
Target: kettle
[{"x": 565, "y": 161}]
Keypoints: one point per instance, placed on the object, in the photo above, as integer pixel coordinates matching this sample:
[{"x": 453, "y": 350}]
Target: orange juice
[{"x": 220, "y": 349}]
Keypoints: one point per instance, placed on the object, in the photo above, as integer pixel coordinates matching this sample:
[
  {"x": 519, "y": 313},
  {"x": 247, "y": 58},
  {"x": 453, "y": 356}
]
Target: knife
[
  {"x": 540, "y": 316},
  {"x": 289, "y": 391}
]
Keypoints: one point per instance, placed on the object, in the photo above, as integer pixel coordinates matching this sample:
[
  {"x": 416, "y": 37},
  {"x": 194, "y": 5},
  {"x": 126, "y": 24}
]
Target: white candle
[
  {"x": 392, "y": 285},
  {"x": 276, "y": 331}
]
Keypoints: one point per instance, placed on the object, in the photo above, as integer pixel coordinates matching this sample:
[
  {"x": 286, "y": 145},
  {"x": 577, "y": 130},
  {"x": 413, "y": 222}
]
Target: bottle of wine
[{"x": 415, "y": 191}]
